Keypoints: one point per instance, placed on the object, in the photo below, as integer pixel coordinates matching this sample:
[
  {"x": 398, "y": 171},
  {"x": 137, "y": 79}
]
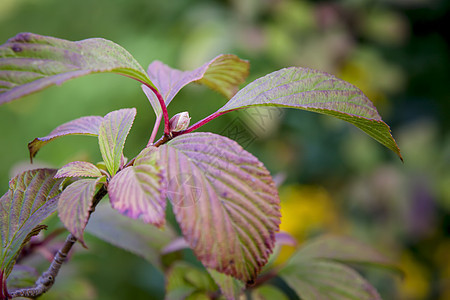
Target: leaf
[
  {"x": 224, "y": 200},
  {"x": 31, "y": 198},
  {"x": 184, "y": 281},
  {"x": 78, "y": 169},
  {"x": 31, "y": 62},
  {"x": 230, "y": 287},
  {"x": 132, "y": 235},
  {"x": 284, "y": 238},
  {"x": 315, "y": 91},
  {"x": 75, "y": 205},
  {"x": 138, "y": 191},
  {"x": 224, "y": 73},
  {"x": 318, "y": 279},
  {"x": 112, "y": 134},
  {"x": 81, "y": 126},
  {"x": 176, "y": 245},
  {"x": 268, "y": 292},
  {"x": 22, "y": 276},
  {"x": 342, "y": 249}
]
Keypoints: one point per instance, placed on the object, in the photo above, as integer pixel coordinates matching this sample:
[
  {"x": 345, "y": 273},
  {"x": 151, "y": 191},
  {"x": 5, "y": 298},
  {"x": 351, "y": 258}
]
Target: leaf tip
[
  {"x": 82, "y": 242},
  {"x": 32, "y": 149}
]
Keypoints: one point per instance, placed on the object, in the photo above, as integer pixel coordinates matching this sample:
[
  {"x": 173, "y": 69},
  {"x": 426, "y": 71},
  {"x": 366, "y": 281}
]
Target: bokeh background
[{"x": 335, "y": 179}]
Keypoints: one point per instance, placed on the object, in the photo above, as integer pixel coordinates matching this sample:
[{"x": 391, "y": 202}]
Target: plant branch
[
  {"x": 167, "y": 137},
  {"x": 200, "y": 123},
  {"x": 47, "y": 279},
  {"x": 164, "y": 139}
]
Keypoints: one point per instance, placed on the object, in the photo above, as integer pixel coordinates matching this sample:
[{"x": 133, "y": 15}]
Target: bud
[{"x": 179, "y": 122}]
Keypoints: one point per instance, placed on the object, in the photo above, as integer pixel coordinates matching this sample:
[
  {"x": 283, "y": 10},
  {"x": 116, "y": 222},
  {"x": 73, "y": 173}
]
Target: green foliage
[{"x": 223, "y": 197}]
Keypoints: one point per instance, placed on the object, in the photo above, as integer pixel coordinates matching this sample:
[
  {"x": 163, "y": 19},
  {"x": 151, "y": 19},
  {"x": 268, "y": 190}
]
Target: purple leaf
[
  {"x": 175, "y": 245},
  {"x": 112, "y": 134},
  {"x": 31, "y": 198},
  {"x": 78, "y": 169},
  {"x": 315, "y": 91},
  {"x": 31, "y": 62},
  {"x": 75, "y": 204},
  {"x": 223, "y": 74},
  {"x": 132, "y": 235},
  {"x": 81, "y": 126},
  {"x": 318, "y": 279},
  {"x": 284, "y": 238},
  {"x": 225, "y": 202},
  {"x": 138, "y": 191}
]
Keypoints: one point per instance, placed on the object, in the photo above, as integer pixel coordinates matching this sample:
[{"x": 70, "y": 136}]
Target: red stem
[
  {"x": 163, "y": 108},
  {"x": 201, "y": 123},
  {"x": 161, "y": 102}
]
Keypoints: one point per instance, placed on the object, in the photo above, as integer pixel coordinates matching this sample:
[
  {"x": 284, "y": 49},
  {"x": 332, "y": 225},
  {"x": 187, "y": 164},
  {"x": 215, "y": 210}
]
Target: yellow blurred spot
[
  {"x": 441, "y": 258},
  {"x": 358, "y": 75},
  {"x": 416, "y": 284},
  {"x": 305, "y": 210}
]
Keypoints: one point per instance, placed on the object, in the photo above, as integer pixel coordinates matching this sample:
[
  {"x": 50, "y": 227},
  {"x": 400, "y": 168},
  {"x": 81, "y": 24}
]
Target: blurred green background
[{"x": 337, "y": 180}]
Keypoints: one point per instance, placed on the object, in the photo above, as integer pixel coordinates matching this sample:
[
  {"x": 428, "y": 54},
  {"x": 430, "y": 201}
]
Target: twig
[{"x": 47, "y": 279}]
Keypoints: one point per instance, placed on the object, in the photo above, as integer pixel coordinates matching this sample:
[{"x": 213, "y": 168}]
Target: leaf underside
[
  {"x": 224, "y": 200},
  {"x": 31, "y": 198},
  {"x": 75, "y": 204},
  {"x": 138, "y": 192},
  {"x": 31, "y": 62},
  {"x": 315, "y": 91},
  {"x": 82, "y": 126},
  {"x": 112, "y": 134},
  {"x": 224, "y": 74},
  {"x": 132, "y": 235}
]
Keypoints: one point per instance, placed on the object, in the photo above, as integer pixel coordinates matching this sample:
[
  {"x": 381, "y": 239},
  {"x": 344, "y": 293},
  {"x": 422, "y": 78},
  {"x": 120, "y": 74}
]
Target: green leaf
[
  {"x": 31, "y": 62},
  {"x": 230, "y": 287},
  {"x": 81, "y": 126},
  {"x": 78, "y": 169},
  {"x": 138, "y": 191},
  {"x": 22, "y": 276},
  {"x": 132, "y": 235},
  {"x": 342, "y": 249},
  {"x": 75, "y": 205},
  {"x": 315, "y": 271},
  {"x": 31, "y": 198},
  {"x": 113, "y": 132},
  {"x": 185, "y": 281},
  {"x": 224, "y": 200},
  {"x": 224, "y": 74},
  {"x": 315, "y": 91},
  {"x": 268, "y": 292},
  {"x": 316, "y": 279}
]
